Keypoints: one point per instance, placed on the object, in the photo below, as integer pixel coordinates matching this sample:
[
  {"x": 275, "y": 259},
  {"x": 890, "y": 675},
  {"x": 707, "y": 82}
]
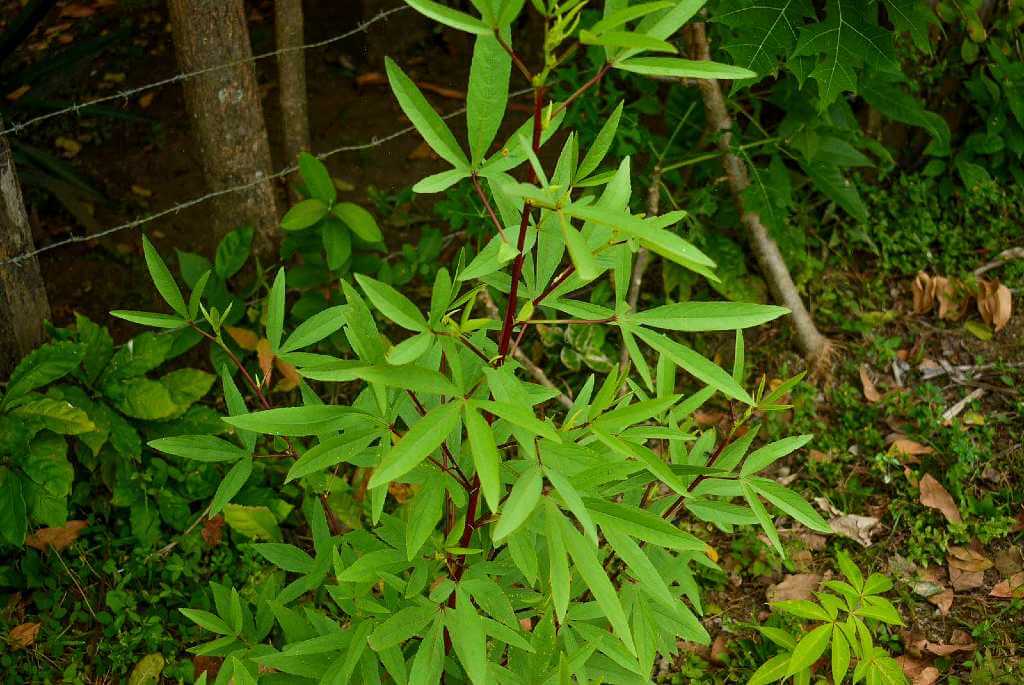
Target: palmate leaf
[
  {"x": 764, "y": 32},
  {"x": 848, "y": 38}
]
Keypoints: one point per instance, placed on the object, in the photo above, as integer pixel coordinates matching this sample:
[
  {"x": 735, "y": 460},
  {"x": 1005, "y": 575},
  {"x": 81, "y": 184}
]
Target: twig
[
  {"x": 957, "y": 408},
  {"x": 74, "y": 579},
  {"x": 1004, "y": 257}
]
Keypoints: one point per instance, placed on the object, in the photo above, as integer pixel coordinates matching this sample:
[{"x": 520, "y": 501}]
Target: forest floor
[{"x": 917, "y": 458}]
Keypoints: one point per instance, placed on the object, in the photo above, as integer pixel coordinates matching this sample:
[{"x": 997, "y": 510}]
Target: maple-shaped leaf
[
  {"x": 764, "y": 32},
  {"x": 913, "y": 17},
  {"x": 849, "y": 39}
]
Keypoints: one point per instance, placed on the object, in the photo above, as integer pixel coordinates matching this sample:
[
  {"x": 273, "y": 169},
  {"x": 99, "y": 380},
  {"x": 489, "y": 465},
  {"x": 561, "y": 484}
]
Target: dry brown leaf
[
  {"x": 995, "y": 303},
  {"x": 966, "y": 559},
  {"x": 943, "y": 600},
  {"x": 796, "y": 586},
  {"x": 959, "y": 642},
  {"x": 719, "y": 648},
  {"x": 18, "y": 92},
  {"x": 371, "y": 78},
  {"x": 266, "y": 360},
  {"x": 708, "y": 418},
  {"x": 210, "y": 665},
  {"x": 937, "y": 497},
  {"x": 819, "y": 456},
  {"x": 212, "y": 530},
  {"x": 918, "y": 671},
  {"x": 1007, "y": 589},
  {"x": 23, "y": 635},
  {"x": 871, "y": 393},
  {"x": 924, "y": 296},
  {"x": 59, "y": 538},
  {"x": 70, "y": 147},
  {"x": 146, "y": 100},
  {"x": 245, "y": 338},
  {"x": 813, "y": 541},
  {"x": 951, "y": 305},
  {"x": 1010, "y": 560},
  {"x": 290, "y": 377},
  {"x": 855, "y": 527},
  {"x": 422, "y": 151},
  {"x": 76, "y": 11},
  {"x": 908, "y": 448}
]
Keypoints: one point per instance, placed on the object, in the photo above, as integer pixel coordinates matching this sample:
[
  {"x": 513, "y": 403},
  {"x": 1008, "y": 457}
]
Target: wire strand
[
  {"x": 125, "y": 94},
  {"x": 134, "y": 223}
]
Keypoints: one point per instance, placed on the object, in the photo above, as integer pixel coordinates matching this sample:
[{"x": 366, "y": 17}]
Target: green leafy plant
[
  {"x": 83, "y": 386},
  {"x": 499, "y": 539},
  {"x": 845, "y": 626}
]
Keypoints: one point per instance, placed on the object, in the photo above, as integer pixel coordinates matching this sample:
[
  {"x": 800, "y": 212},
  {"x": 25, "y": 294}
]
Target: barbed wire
[
  {"x": 125, "y": 94},
  {"x": 135, "y": 223}
]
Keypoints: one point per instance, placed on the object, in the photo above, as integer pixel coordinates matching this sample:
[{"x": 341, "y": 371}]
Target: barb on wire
[
  {"x": 292, "y": 168},
  {"x": 125, "y": 94}
]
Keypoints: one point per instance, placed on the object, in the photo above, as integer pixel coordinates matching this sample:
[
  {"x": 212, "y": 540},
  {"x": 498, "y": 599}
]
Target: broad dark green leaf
[
  {"x": 360, "y": 221},
  {"x": 317, "y": 178},
  {"x": 304, "y": 214},
  {"x": 809, "y": 649}
]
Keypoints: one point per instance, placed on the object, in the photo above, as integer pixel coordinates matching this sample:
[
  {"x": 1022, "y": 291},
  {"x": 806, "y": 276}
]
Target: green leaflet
[
  {"x": 360, "y": 221},
  {"x": 425, "y": 436},
  {"x": 317, "y": 178},
  {"x": 199, "y": 448},
  {"x": 290, "y": 421},
  {"x": 487, "y": 95},
  {"x": 485, "y": 456},
  {"x": 275, "y": 311},
  {"x": 393, "y": 304},
  {"x": 698, "y": 366},
  {"x": 162, "y": 278},
  {"x": 707, "y": 316},
  {"x": 433, "y": 129},
  {"x": 587, "y": 565},
  {"x": 449, "y": 17},
  {"x": 677, "y": 67},
  {"x": 521, "y": 502},
  {"x": 468, "y": 637}
]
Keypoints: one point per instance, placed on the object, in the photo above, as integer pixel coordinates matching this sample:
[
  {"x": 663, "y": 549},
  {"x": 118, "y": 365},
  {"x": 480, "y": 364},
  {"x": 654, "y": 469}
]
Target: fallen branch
[
  {"x": 531, "y": 368},
  {"x": 956, "y": 409},
  {"x": 815, "y": 346}
]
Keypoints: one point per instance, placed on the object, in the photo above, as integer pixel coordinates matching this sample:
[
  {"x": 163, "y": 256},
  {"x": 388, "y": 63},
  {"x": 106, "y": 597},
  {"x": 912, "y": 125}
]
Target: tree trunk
[
  {"x": 23, "y": 303},
  {"x": 291, "y": 77},
  {"x": 815, "y": 346},
  {"x": 227, "y": 119}
]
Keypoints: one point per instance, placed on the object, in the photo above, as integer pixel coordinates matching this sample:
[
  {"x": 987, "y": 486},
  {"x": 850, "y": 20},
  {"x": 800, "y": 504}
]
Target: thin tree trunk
[
  {"x": 291, "y": 78},
  {"x": 23, "y": 303},
  {"x": 815, "y": 346},
  {"x": 227, "y": 118}
]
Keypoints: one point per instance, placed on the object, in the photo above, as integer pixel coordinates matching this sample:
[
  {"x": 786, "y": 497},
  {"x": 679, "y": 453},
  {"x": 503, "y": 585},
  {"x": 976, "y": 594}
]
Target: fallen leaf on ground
[
  {"x": 795, "y": 586},
  {"x": 967, "y": 568},
  {"x": 959, "y": 642},
  {"x": 719, "y": 648},
  {"x": 819, "y": 456},
  {"x": 935, "y": 496},
  {"x": 951, "y": 305},
  {"x": 813, "y": 541},
  {"x": 422, "y": 151},
  {"x": 371, "y": 78},
  {"x": 23, "y": 635},
  {"x": 871, "y": 393},
  {"x": 146, "y": 100},
  {"x": 855, "y": 527},
  {"x": 210, "y": 665},
  {"x": 943, "y": 600},
  {"x": 59, "y": 538},
  {"x": 1010, "y": 560},
  {"x": 909, "y": 449},
  {"x": 212, "y": 532},
  {"x": 917, "y": 671},
  {"x": 76, "y": 11},
  {"x": 924, "y": 296},
  {"x": 1007, "y": 589},
  {"x": 18, "y": 92},
  {"x": 995, "y": 303}
]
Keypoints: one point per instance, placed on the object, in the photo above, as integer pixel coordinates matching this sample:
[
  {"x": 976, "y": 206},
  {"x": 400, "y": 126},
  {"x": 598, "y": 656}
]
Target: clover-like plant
[{"x": 508, "y": 539}]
